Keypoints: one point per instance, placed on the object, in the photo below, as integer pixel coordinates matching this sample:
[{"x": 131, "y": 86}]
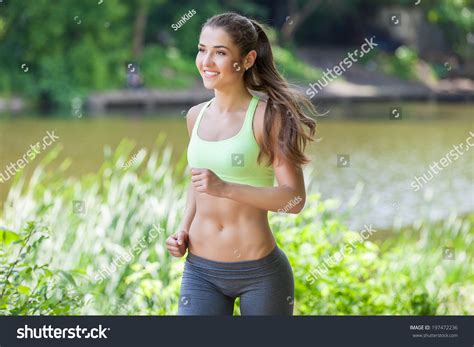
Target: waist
[
  {"x": 216, "y": 224},
  {"x": 228, "y": 211},
  {"x": 246, "y": 240},
  {"x": 205, "y": 263}
]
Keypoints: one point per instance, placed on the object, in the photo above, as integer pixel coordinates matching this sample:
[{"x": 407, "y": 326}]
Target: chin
[{"x": 209, "y": 85}]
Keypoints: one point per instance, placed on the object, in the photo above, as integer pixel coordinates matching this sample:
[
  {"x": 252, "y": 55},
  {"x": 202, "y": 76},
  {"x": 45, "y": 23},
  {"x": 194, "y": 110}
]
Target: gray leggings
[{"x": 265, "y": 286}]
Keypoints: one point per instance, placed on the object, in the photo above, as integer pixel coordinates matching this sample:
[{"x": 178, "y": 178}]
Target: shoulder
[{"x": 192, "y": 116}]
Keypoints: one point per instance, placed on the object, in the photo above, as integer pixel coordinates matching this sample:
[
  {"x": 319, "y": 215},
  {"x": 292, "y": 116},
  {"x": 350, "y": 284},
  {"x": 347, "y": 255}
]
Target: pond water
[{"x": 374, "y": 178}]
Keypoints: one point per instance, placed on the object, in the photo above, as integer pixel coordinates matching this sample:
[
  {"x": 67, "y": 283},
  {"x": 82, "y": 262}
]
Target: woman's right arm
[
  {"x": 177, "y": 243},
  {"x": 190, "y": 210}
]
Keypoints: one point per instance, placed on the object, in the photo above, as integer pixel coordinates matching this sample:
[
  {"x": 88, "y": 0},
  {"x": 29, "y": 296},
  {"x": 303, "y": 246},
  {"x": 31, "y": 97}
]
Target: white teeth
[{"x": 209, "y": 73}]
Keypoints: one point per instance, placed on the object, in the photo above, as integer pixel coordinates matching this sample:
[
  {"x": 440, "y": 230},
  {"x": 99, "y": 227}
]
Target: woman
[{"x": 238, "y": 145}]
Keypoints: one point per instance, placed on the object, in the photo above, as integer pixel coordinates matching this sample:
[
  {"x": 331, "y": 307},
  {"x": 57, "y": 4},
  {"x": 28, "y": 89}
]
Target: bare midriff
[{"x": 228, "y": 231}]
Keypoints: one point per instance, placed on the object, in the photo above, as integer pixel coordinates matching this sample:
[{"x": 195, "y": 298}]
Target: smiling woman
[{"x": 239, "y": 144}]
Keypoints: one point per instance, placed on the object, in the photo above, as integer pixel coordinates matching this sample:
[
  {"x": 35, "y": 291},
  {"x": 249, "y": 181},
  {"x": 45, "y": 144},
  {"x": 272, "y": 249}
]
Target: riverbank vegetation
[{"x": 95, "y": 245}]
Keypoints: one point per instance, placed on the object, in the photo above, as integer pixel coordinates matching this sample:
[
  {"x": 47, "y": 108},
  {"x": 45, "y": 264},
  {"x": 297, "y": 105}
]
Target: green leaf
[
  {"x": 7, "y": 236},
  {"x": 23, "y": 290},
  {"x": 68, "y": 276}
]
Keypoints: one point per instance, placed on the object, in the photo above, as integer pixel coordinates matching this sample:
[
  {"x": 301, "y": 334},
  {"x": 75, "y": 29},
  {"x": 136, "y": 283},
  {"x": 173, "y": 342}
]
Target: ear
[{"x": 249, "y": 59}]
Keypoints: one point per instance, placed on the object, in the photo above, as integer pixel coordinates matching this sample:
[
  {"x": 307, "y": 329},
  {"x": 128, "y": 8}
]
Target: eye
[
  {"x": 221, "y": 52},
  {"x": 201, "y": 49}
]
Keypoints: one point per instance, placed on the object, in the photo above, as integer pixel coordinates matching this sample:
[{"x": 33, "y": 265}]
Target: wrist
[{"x": 184, "y": 228}]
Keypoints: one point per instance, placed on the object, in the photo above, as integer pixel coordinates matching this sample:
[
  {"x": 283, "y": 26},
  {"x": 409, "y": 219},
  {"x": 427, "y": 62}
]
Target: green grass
[{"x": 405, "y": 274}]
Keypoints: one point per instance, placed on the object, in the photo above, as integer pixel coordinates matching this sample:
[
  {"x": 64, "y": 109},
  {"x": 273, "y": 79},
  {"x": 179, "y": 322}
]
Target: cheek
[
  {"x": 229, "y": 69},
  {"x": 198, "y": 61}
]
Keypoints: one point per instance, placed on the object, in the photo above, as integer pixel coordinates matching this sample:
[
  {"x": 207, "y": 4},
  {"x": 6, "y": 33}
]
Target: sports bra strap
[{"x": 198, "y": 120}]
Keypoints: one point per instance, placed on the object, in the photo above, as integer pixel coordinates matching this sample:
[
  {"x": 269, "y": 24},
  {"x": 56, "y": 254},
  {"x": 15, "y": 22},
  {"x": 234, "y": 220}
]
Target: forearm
[
  {"x": 276, "y": 199},
  {"x": 190, "y": 209}
]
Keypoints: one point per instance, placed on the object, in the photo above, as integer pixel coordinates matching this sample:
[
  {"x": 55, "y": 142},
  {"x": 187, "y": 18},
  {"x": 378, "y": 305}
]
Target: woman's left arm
[
  {"x": 290, "y": 187},
  {"x": 281, "y": 198}
]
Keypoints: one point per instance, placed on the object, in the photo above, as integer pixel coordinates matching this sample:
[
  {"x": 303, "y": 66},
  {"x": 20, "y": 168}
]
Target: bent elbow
[
  {"x": 299, "y": 206},
  {"x": 296, "y": 210}
]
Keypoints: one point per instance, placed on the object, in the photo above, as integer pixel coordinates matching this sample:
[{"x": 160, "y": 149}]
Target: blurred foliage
[
  {"x": 167, "y": 68},
  {"x": 121, "y": 206},
  {"x": 292, "y": 68},
  {"x": 74, "y": 48},
  {"x": 405, "y": 274},
  {"x": 405, "y": 64},
  {"x": 71, "y": 48},
  {"x": 456, "y": 18},
  {"x": 28, "y": 287}
]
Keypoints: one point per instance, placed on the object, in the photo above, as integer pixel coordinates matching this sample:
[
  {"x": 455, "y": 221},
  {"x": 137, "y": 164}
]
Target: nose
[{"x": 207, "y": 60}]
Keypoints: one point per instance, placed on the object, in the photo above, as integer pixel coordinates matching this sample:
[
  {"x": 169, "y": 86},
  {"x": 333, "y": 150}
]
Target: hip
[{"x": 275, "y": 264}]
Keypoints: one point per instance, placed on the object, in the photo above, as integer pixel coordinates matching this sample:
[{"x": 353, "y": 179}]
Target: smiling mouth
[{"x": 210, "y": 74}]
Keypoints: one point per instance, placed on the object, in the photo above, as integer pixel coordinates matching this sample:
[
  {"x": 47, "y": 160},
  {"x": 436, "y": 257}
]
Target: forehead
[{"x": 212, "y": 36}]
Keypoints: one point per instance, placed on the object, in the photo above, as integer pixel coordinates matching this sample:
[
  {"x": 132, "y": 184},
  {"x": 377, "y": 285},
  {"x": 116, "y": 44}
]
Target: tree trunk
[
  {"x": 139, "y": 29},
  {"x": 296, "y": 17}
]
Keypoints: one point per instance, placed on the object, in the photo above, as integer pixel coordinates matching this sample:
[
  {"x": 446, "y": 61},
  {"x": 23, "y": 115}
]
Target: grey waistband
[{"x": 239, "y": 265}]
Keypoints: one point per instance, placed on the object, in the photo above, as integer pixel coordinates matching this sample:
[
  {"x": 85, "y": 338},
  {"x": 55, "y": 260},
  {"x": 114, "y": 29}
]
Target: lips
[{"x": 210, "y": 74}]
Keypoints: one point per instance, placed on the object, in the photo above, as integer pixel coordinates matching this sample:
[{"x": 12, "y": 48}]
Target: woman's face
[{"x": 218, "y": 59}]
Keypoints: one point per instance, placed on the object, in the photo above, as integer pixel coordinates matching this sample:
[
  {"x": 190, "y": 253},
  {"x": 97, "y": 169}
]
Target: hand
[
  {"x": 206, "y": 181},
  {"x": 177, "y": 243}
]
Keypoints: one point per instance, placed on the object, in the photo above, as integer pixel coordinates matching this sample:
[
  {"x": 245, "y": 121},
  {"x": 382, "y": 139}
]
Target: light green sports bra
[{"x": 233, "y": 159}]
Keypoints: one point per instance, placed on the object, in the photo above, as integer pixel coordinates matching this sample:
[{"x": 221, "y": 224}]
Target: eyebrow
[{"x": 220, "y": 46}]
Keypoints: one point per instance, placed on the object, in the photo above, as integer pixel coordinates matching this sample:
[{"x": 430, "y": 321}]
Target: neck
[{"x": 231, "y": 100}]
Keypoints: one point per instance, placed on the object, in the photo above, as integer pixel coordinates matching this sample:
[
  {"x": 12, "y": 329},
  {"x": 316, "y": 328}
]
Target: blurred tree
[
  {"x": 297, "y": 15},
  {"x": 456, "y": 18},
  {"x": 141, "y": 19},
  {"x": 53, "y": 53}
]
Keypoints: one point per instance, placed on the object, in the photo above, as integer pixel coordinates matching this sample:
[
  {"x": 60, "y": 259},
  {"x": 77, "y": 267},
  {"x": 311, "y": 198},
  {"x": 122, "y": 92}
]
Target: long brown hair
[{"x": 285, "y": 118}]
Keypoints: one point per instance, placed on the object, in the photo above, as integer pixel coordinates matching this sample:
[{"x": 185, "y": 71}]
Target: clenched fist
[
  {"x": 206, "y": 181},
  {"x": 177, "y": 243}
]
